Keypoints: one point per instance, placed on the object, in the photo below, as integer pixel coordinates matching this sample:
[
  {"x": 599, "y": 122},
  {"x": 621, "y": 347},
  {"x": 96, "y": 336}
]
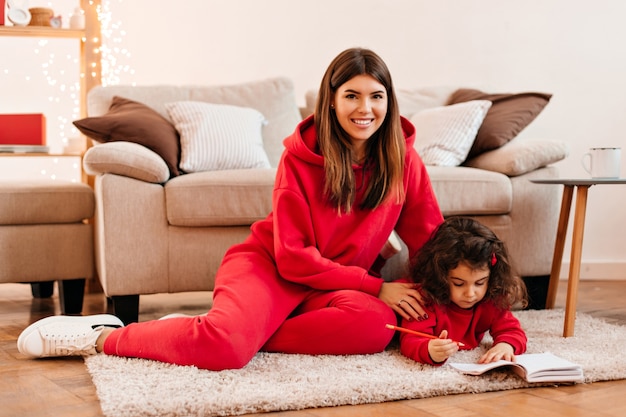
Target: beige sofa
[{"x": 154, "y": 234}]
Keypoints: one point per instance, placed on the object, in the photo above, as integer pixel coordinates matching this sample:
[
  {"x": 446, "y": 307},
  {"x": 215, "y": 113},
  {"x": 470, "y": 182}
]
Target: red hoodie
[
  {"x": 463, "y": 325},
  {"x": 315, "y": 246}
]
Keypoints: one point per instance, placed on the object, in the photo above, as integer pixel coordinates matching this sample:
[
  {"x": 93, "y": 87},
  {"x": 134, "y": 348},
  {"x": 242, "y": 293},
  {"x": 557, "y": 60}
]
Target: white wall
[{"x": 570, "y": 48}]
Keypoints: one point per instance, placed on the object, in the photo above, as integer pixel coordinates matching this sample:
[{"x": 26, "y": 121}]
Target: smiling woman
[{"x": 311, "y": 283}]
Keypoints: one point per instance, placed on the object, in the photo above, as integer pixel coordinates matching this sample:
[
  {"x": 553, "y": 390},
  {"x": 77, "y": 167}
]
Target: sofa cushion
[
  {"x": 39, "y": 202},
  {"x": 130, "y": 121},
  {"x": 521, "y": 156},
  {"x": 218, "y": 136},
  {"x": 444, "y": 135},
  {"x": 240, "y": 197},
  {"x": 220, "y": 198},
  {"x": 470, "y": 191},
  {"x": 274, "y": 98},
  {"x": 128, "y": 159},
  {"x": 507, "y": 117}
]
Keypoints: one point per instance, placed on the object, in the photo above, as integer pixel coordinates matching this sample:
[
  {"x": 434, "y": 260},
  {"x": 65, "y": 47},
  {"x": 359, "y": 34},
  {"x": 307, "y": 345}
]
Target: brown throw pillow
[
  {"x": 131, "y": 121},
  {"x": 508, "y": 116}
]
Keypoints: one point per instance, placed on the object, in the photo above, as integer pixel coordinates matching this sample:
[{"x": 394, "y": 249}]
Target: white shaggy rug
[{"x": 275, "y": 382}]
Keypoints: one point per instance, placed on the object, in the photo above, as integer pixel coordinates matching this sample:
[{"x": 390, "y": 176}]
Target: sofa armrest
[
  {"x": 535, "y": 217},
  {"x": 127, "y": 159},
  {"x": 131, "y": 236},
  {"x": 519, "y": 157}
]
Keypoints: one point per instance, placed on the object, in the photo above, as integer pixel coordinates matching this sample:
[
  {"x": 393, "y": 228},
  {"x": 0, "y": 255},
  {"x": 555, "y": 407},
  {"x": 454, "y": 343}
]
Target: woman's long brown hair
[{"x": 385, "y": 150}]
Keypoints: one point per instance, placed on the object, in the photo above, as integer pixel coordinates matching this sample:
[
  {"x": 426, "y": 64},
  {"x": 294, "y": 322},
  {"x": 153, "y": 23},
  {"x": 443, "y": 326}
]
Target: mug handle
[{"x": 586, "y": 162}]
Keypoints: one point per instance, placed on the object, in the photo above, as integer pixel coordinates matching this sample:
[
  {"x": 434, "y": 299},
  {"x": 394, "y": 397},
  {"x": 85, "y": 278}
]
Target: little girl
[{"x": 468, "y": 288}]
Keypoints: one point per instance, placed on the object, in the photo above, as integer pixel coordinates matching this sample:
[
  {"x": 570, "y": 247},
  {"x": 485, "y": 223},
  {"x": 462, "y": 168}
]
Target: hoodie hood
[{"x": 303, "y": 142}]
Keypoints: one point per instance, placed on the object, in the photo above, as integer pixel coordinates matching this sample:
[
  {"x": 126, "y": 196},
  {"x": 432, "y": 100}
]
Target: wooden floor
[{"x": 62, "y": 387}]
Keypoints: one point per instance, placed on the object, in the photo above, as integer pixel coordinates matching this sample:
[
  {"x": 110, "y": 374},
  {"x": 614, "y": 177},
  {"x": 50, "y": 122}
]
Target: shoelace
[{"x": 71, "y": 345}]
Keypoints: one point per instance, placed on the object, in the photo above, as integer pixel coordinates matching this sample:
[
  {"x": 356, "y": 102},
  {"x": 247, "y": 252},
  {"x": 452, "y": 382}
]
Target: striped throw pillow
[
  {"x": 444, "y": 135},
  {"x": 216, "y": 137}
]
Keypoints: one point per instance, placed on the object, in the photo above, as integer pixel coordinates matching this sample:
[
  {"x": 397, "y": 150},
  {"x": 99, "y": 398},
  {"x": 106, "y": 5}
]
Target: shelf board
[
  {"x": 41, "y": 32},
  {"x": 39, "y": 154}
]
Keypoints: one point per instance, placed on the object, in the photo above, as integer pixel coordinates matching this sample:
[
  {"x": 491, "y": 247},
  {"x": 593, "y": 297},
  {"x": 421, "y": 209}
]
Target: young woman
[
  {"x": 467, "y": 286},
  {"x": 301, "y": 282}
]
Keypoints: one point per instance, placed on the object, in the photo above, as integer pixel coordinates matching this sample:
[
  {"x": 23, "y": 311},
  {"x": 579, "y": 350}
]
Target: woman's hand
[
  {"x": 497, "y": 352},
  {"x": 404, "y": 299}
]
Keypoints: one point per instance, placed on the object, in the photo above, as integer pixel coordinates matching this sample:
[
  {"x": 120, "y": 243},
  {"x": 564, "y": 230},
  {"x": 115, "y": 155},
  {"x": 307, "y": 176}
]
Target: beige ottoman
[{"x": 45, "y": 237}]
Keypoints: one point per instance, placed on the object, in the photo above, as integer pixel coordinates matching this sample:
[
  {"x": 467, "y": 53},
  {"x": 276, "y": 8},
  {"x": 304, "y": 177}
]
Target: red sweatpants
[{"x": 255, "y": 309}]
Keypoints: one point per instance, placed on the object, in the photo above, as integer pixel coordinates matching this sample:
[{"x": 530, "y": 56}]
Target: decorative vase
[{"x": 77, "y": 19}]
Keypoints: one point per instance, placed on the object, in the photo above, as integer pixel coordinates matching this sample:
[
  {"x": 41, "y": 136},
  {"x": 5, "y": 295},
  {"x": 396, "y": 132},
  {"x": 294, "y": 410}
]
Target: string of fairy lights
[
  {"x": 112, "y": 51},
  {"x": 62, "y": 86},
  {"x": 109, "y": 53}
]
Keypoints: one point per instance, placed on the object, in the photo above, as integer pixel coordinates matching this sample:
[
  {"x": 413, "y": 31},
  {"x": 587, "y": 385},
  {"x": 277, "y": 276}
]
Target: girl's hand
[
  {"x": 404, "y": 299},
  {"x": 497, "y": 352},
  {"x": 441, "y": 349}
]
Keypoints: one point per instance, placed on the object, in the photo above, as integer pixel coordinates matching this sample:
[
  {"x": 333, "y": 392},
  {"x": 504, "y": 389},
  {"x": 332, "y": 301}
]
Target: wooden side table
[{"x": 582, "y": 186}]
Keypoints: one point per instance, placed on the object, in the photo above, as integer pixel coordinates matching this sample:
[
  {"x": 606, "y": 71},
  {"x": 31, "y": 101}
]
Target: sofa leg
[
  {"x": 126, "y": 307},
  {"x": 537, "y": 291},
  {"x": 71, "y": 295},
  {"x": 43, "y": 289}
]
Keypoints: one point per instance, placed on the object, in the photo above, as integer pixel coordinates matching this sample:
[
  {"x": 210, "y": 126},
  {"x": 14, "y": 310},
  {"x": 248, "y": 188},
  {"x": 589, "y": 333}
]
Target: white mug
[{"x": 603, "y": 162}]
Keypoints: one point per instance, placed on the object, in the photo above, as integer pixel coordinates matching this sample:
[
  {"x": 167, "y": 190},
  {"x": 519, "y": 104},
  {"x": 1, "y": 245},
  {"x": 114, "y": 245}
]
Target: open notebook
[{"x": 533, "y": 367}]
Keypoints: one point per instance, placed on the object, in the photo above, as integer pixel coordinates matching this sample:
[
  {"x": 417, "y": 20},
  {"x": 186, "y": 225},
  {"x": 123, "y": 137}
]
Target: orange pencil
[{"x": 402, "y": 329}]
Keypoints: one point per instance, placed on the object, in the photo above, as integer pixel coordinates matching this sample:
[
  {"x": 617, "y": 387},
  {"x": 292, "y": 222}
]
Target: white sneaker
[{"x": 64, "y": 335}]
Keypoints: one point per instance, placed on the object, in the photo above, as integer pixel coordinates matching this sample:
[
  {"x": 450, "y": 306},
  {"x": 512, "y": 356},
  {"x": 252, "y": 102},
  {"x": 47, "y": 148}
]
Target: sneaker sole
[
  {"x": 95, "y": 320},
  {"x": 176, "y": 316}
]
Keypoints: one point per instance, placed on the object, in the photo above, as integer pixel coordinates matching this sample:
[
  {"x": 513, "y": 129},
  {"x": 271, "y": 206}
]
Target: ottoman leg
[
  {"x": 71, "y": 294},
  {"x": 43, "y": 289}
]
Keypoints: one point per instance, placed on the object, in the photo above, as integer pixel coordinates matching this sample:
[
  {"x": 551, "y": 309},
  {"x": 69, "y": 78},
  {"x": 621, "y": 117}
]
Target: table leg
[
  {"x": 561, "y": 233},
  {"x": 574, "y": 268}
]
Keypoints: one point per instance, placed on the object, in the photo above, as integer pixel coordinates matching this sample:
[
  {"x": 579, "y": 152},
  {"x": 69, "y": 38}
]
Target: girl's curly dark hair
[{"x": 463, "y": 239}]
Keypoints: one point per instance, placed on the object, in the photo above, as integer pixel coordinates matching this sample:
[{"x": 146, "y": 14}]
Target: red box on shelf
[{"x": 22, "y": 129}]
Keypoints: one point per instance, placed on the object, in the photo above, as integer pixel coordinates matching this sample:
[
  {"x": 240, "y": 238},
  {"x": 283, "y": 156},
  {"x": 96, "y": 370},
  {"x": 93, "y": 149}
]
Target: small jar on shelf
[{"x": 77, "y": 19}]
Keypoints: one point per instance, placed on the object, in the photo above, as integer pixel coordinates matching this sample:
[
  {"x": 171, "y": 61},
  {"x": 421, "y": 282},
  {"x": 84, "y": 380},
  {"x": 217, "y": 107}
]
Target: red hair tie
[{"x": 493, "y": 258}]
